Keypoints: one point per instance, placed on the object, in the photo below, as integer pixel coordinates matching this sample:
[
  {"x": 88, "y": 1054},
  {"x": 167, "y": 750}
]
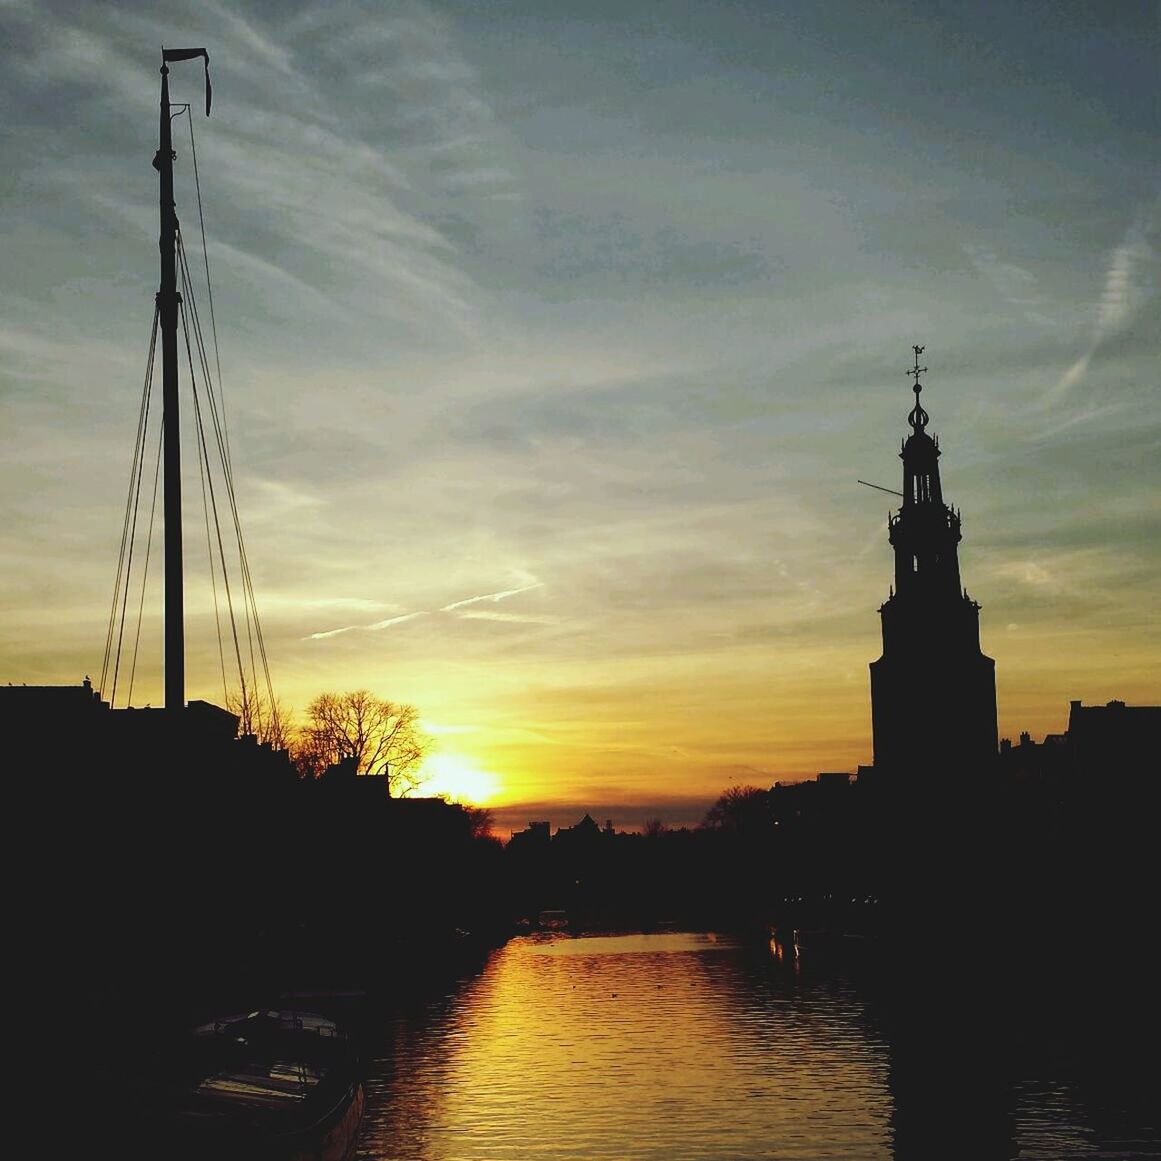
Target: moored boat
[{"x": 268, "y": 1085}]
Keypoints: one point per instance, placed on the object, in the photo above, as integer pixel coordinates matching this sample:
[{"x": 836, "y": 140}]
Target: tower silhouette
[{"x": 933, "y": 691}]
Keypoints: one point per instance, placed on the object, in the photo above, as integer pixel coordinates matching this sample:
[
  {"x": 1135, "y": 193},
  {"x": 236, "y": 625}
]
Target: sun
[{"x": 455, "y": 778}]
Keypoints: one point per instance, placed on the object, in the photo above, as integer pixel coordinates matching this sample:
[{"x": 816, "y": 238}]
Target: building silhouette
[
  {"x": 1117, "y": 740},
  {"x": 933, "y": 691},
  {"x": 1113, "y": 747}
]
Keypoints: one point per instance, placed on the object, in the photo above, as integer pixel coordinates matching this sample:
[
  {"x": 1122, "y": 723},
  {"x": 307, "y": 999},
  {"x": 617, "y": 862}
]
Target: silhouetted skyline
[{"x": 555, "y": 342}]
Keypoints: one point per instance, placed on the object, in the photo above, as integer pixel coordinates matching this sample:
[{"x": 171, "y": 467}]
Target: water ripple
[{"x": 690, "y": 1048}]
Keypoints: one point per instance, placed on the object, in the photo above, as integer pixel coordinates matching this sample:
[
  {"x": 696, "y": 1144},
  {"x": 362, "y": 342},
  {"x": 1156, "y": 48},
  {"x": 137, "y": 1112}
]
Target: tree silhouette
[
  {"x": 741, "y": 808},
  {"x": 269, "y": 721},
  {"x": 482, "y": 821},
  {"x": 381, "y": 737}
]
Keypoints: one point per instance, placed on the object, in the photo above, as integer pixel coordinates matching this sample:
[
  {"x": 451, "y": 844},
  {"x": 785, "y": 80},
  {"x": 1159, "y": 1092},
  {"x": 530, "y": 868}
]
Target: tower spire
[
  {"x": 933, "y": 691},
  {"x": 920, "y": 453}
]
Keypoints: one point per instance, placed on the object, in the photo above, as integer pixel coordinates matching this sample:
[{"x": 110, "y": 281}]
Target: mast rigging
[{"x": 176, "y": 305}]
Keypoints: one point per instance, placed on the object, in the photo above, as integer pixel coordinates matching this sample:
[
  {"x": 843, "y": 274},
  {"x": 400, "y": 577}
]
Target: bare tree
[
  {"x": 307, "y": 755},
  {"x": 382, "y": 737},
  {"x": 482, "y": 821},
  {"x": 740, "y": 808},
  {"x": 269, "y": 721},
  {"x": 654, "y": 828}
]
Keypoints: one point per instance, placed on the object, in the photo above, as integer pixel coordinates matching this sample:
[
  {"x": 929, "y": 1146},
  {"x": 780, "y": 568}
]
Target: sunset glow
[
  {"x": 448, "y": 775},
  {"x": 555, "y": 343}
]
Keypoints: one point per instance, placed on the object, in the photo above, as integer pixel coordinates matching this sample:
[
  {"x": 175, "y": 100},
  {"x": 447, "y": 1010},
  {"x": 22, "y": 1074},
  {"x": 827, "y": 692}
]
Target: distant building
[
  {"x": 820, "y": 794},
  {"x": 71, "y": 726},
  {"x": 49, "y": 703},
  {"x": 1114, "y": 743},
  {"x": 933, "y": 691},
  {"x": 1031, "y": 761},
  {"x": 584, "y": 831},
  {"x": 832, "y": 779},
  {"x": 535, "y": 836},
  {"x": 1115, "y": 738}
]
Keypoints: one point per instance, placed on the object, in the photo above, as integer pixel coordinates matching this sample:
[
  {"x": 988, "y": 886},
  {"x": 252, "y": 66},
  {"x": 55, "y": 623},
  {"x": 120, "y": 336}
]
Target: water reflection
[{"x": 693, "y": 1046}]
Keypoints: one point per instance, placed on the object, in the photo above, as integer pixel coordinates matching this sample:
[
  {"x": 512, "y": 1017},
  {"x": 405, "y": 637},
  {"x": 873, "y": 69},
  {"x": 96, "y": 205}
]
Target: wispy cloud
[
  {"x": 1124, "y": 293},
  {"x": 1084, "y": 414},
  {"x": 503, "y": 595},
  {"x": 507, "y": 618},
  {"x": 372, "y": 628},
  {"x": 1014, "y": 284},
  {"x": 332, "y": 633},
  {"x": 386, "y": 624},
  {"x": 328, "y": 170},
  {"x": 454, "y": 607}
]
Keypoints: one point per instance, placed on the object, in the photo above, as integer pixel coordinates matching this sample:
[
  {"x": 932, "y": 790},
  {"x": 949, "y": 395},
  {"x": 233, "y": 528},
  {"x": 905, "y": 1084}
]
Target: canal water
[{"x": 692, "y": 1047}]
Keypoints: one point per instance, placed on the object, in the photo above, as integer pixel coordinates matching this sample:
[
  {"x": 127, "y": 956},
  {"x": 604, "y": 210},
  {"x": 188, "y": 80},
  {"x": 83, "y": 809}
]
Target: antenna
[{"x": 879, "y": 487}]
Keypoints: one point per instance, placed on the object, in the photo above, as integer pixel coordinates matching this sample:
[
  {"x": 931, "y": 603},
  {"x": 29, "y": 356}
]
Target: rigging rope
[
  {"x": 213, "y": 504},
  {"x": 223, "y": 453},
  {"x": 215, "y": 402},
  {"x": 145, "y": 570},
  {"x": 206, "y": 258},
  {"x": 213, "y": 570},
  {"x": 129, "y": 525},
  {"x": 210, "y": 386}
]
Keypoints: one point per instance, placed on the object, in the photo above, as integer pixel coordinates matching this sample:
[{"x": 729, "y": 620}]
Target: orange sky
[{"x": 554, "y": 352}]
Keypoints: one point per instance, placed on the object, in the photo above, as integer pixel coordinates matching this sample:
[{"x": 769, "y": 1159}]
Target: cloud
[
  {"x": 1071, "y": 377},
  {"x": 372, "y": 628},
  {"x": 315, "y": 159},
  {"x": 1085, "y": 414},
  {"x": 500, "y": 596},
  {"x": 1125, "y": 291},
  {"x": 1015, "y": 285},
  {"x": 507, "y": 618},
  {"x": 386, "y": 624},
  {"x": 402, "y": 618}
]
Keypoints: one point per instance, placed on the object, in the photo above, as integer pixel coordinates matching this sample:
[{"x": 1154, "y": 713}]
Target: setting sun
[{"x": 454, "y": 777}]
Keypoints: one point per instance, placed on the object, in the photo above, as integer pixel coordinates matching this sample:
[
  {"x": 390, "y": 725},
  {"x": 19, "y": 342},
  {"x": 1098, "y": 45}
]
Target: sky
[{"x": 555, "y": 337}]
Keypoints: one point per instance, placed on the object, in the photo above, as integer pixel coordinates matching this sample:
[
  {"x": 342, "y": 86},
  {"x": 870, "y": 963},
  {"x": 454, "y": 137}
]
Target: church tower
[{"x": 933, "y": 691}]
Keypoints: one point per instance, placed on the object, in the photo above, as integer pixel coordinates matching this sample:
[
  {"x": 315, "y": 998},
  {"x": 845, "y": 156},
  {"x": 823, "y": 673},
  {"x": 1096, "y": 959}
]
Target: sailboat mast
[{"x": 168, "y": 300}]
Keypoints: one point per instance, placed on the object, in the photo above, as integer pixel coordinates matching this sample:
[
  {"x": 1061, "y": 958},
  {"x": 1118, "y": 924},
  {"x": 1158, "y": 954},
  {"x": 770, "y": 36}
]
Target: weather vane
[
  {"x": 918, "y": 417},
  {"x": 917, "y": 370}
]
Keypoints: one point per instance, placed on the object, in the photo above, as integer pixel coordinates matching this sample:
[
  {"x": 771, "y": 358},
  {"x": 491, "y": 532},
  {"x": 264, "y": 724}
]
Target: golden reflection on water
[{"x": 644, "y": 1046}]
